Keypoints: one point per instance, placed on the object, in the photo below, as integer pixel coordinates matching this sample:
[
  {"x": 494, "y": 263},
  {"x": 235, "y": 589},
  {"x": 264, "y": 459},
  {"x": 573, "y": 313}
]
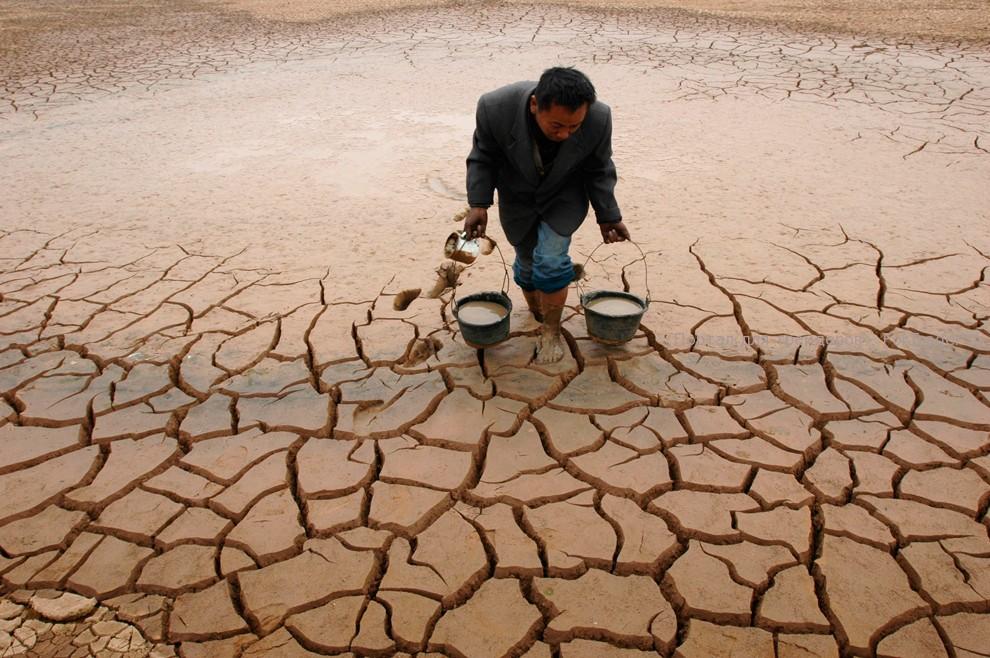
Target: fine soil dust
[{"x": 950, "y": 20}]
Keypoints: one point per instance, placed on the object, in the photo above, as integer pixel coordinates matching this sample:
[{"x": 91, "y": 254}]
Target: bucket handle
[
  {"x": 642, "y": 257},
  {"x": 505, "y": 275}
]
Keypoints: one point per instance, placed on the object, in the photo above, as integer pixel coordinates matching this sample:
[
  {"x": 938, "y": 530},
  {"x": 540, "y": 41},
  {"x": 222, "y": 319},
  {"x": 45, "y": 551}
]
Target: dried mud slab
[{"x": 262, "y": 434}]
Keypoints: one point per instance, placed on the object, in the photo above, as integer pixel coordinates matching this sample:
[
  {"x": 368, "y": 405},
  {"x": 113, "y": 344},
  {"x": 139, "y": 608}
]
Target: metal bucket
[
  {"x": 481, "y": 336},
  {"x": 614, "y": 329}
]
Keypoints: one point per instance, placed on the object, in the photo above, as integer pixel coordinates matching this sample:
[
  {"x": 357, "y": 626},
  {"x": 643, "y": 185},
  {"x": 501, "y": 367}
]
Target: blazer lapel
[{"x": 521, "y": 144}]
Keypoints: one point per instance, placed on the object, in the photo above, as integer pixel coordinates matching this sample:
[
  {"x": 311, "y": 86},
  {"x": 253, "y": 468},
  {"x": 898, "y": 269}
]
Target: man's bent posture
[{"x": 547, "y": 148}]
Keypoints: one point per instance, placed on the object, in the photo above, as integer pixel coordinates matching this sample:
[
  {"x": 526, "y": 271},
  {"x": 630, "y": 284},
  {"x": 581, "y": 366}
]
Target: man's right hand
[
  {"x": 476, "y": 223},
  {"x": 614, "y": 232}
]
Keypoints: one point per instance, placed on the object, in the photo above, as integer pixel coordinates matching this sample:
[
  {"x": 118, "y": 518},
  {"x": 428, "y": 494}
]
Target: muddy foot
[{"x": 550, "y": 349}]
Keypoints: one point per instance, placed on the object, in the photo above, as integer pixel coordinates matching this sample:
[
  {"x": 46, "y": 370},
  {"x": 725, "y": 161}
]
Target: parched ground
[{"x": 237, "y": 417}]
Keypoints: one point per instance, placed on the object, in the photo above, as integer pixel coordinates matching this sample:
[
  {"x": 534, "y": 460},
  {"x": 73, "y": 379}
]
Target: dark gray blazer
[{"x": 502, "y": 157}]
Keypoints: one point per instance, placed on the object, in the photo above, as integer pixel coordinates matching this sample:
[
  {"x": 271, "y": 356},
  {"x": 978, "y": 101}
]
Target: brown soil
[
  {"x": 953, "y": 20},
  {"x": 236, "y": 409}
]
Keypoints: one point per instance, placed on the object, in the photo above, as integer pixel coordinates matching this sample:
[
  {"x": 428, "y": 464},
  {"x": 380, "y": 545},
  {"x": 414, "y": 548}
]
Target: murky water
[
  {"x": 614, "y": 306},
  {"x": 481, "y": 313}
]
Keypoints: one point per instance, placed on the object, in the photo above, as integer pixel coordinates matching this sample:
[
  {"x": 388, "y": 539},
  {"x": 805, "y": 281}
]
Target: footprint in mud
[{"x": 438, "y": 186}]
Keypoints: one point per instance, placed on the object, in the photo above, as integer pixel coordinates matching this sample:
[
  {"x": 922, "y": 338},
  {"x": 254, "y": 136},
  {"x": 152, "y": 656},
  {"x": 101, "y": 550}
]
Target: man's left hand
[{"x": 616, "y": 232}]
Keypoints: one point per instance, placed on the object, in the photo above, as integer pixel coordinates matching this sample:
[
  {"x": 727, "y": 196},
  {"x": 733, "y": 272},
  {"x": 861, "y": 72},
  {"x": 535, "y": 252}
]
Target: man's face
[{"x": 557, "y": 122}]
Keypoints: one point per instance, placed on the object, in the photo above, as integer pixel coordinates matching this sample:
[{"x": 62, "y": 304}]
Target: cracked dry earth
[{"x": 228, "y": 428}]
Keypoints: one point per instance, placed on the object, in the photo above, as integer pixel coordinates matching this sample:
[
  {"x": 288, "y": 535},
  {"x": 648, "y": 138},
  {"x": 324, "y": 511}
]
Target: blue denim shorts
[{"x": 542, "y": 262}]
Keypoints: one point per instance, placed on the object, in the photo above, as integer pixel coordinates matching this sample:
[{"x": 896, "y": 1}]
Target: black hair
[{"x": 564, "y": 86}]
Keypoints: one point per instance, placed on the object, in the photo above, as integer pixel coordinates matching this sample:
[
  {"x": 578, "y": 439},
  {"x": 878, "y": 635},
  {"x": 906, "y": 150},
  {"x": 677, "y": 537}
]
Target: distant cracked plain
[{"x": 237, "y": 417}]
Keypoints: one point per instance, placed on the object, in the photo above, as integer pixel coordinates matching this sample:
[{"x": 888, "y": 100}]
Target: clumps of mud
[
  {"x": 448, "y": 273},
  {"x": 405, "y": 298},
  {"x": 447, "y": 276},
  {"x": 422, "y": 350}
]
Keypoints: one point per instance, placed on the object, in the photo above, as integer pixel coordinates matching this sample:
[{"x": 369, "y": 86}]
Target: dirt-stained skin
[{"x": 237, "y": 417}]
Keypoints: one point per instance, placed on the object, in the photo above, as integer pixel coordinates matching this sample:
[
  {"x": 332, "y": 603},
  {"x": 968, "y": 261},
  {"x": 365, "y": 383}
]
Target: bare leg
[
  {"x": 533, "y": 301},
  {"x": 550, "y": 348}
]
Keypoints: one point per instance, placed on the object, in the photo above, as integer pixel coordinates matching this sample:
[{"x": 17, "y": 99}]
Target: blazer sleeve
[
  {"x": 482, "y": 162},
  {"x": 600, "y": 178}
]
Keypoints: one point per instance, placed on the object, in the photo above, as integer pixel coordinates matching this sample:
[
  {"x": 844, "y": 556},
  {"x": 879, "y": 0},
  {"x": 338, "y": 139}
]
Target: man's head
[{"x": 561, "y": 102}]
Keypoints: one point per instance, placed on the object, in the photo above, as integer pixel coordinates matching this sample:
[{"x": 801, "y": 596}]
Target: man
[{"x": 547, "y": 148}]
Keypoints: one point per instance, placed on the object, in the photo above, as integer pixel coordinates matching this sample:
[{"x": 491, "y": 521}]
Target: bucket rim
[
  {"x": 484, "y": 296},
  {"x": 595, "y": 294}
]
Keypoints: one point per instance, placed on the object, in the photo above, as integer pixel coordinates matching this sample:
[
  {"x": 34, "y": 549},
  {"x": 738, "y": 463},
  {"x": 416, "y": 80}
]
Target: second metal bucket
[
  {"x": 615, "y": 329},
  {"x": 612, "y": 329}
]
